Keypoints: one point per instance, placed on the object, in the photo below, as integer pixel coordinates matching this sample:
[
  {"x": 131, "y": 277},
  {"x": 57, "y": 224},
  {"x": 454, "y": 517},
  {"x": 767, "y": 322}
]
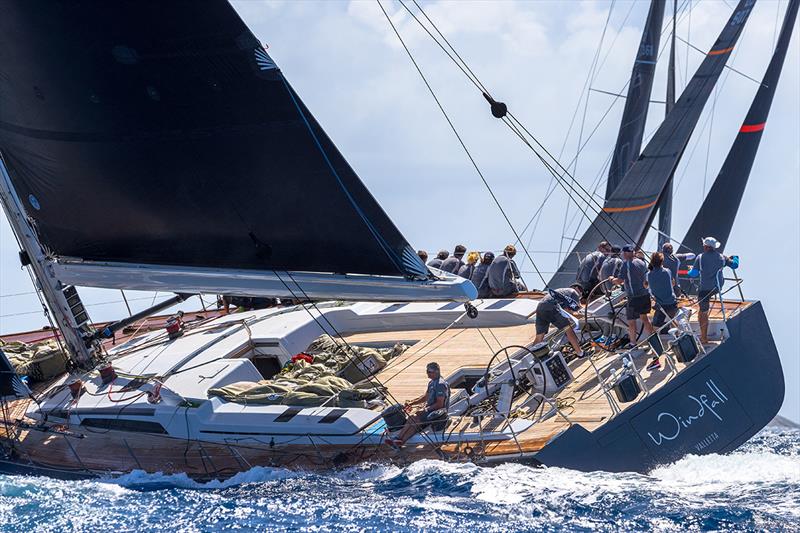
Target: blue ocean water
[{"x": 755, "y": 488}]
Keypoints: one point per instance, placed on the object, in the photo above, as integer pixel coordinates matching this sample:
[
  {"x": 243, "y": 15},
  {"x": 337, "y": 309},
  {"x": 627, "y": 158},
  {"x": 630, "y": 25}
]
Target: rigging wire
[{"x": 517, "y": 127}]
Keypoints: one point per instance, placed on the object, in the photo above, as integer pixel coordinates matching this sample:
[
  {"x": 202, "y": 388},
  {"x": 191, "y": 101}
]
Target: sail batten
[
  {"x": 181, "y": 145},
  {"x": 718, "y": 211},
  {"x": 631, "y": 208}
]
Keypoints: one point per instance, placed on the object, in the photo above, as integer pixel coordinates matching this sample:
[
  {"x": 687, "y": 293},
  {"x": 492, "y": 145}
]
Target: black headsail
[
  {"x": 162, "y": 133},
  {"x": 630, "y": 209},
  {"x": 718, "y": 212},
  {"x": 637, "y": 102}
]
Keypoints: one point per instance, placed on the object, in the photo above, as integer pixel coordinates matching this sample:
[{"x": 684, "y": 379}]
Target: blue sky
[{"x": 345, "y": 63}]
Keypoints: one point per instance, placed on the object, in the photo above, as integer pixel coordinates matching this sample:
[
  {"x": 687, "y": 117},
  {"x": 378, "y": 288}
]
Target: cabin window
[{"x": 119, "y": 424}]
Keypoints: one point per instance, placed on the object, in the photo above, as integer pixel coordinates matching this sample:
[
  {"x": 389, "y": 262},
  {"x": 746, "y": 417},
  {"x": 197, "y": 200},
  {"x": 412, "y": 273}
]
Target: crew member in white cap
[{"x": 710, "y": 264}]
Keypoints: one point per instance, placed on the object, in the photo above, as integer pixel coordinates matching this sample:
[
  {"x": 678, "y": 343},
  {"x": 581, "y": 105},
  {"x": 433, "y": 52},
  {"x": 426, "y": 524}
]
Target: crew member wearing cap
[
  {"x": 633, "y": 275},
  {"x": 549, "y": 312},
  {"x": 479, "y": 275},
  {"x": 437, "y": 261},
  {"x": 611, "y": 267},
  {"x": 672, "y": 262},
  {"x": 503, "y": 275},
  {"x": 710, "y": 264},
  {"x": 436, "y": 400},
  {"x": 453, "y": 263},
  {"x": 468, "y": 269},
  {"x": 589, "y": 268}
]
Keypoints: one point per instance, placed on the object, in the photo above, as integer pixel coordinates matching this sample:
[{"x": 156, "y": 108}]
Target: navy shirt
[
  {"x": 438, "y": 388},
  {"x": 466, "y": 271},
  {"x": 501, "y": 276},
  {"x": 711, "y": 265},
  {"x": 590, "y": 266},
  {"x": 452, "y": 264},
  {"x": 435, "y": 263},
  {"x": 673, "y": 264},
  {"x": 478, "y": 274},
  {"x": 548, "y": 302},
  {"x": 633, "y": 273},
  {"x": 659, "y": 282}
]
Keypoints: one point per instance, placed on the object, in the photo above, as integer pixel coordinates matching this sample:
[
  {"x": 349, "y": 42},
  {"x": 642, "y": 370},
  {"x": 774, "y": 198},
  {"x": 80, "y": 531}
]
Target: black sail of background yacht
[
  {"x": 630, "y": 209},
  {"x": 180, "y": 145},
  {"x": 637, "y": 101},
  {"x": 718, "y": 211}
]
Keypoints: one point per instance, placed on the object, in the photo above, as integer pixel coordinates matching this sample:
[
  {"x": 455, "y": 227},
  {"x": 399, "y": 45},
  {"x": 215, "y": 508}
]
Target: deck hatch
[
  {"x": 288, "y": 414},
  {"x": 333, "y": 416}
]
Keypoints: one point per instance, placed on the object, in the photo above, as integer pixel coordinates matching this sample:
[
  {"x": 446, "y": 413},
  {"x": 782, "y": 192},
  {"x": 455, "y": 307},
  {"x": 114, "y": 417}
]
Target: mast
[
  {"x": 665, "y": 203},
  {"x": 637, "y": 102},
  {"x": 718, "y": 212},
  {"x": 62, "y": 301}
]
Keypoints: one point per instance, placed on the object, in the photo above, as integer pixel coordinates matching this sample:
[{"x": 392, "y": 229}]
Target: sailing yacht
[{"x": 164, "y": 110}]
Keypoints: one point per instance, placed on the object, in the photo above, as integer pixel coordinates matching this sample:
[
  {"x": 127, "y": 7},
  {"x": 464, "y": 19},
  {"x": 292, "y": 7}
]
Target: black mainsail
[
  {"x": 164, "y": 134},
  {"x": 637, "y": 102},
  {"x": 718, "y": 212},
  {"x": 631, "y": 207}
]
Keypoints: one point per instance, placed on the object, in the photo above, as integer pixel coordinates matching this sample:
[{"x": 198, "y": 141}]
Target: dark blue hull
[{"x": 713, "y": 406}]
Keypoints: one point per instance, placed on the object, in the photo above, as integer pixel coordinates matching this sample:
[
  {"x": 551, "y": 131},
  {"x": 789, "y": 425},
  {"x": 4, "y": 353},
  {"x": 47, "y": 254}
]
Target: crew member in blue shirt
[
  {"x": 436, "y": 400},
  {"x": 661, "y": 284},
  {"x": 710, "y": 264},
  {"x": 437, "y": 261},
  {"x": 633, "y": 276},
  {"x": 453, "y": 263}
]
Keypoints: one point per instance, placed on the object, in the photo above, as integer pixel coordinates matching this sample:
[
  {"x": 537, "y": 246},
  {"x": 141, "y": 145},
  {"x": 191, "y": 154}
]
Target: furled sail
[
  {"x": 153, "y": 133},
  {"x": 718, "y": 212},
  {"x": 637, "y": 102},
  {"x": 630, "y": 209}
]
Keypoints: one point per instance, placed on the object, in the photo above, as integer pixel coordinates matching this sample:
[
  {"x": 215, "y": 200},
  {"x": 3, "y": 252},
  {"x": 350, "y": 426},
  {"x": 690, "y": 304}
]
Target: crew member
[
  {"x": 589, "y": 267},
  {"x": 479, "y": 275},
  {"x": 611, "y": 267},
  {"x": 503, "y": 275},
  {"x": 633, "y": 275},
  {"x": 710, "y": 264},
  {"x": 672, "y": 262},
  {"x": 468, "y": 269},
  {"x": 660, "y": 283},
  {"x": 549, "y": 311},
  {"x": 437, "y": 261},
  {"x": 423, "y": 255},
  {"x": 454, "y": 263},
  {"x": 436, "y": 400}
]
